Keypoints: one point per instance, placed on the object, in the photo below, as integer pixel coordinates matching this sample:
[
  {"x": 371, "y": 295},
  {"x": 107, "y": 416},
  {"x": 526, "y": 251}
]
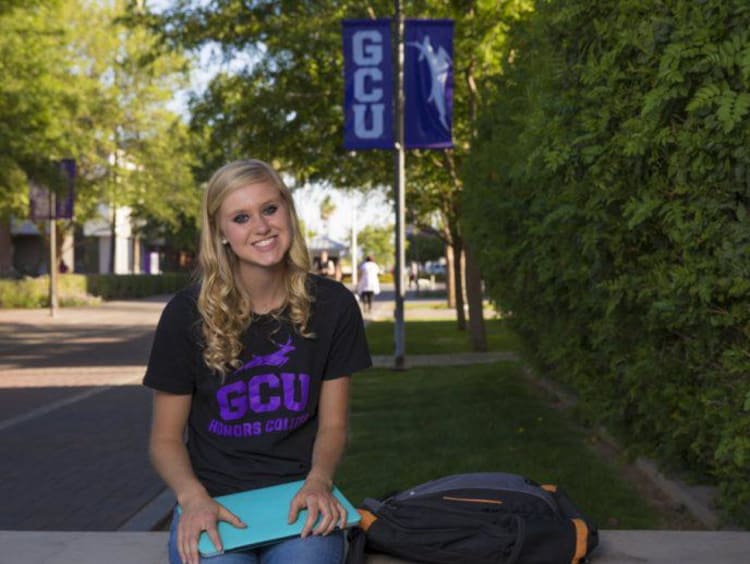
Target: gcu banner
[
  {"x": 62, "y": 175},
  {"x": 368, "y": 83},
  {"x": 428, "y": 84}
]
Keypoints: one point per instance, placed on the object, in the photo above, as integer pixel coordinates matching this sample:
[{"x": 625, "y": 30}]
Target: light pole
[{"x": 399, "y": 161}]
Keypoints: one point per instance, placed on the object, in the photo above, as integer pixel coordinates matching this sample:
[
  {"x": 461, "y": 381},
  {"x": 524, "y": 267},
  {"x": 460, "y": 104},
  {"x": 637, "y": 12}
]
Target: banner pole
[
  {"x": 399, "y": 189},
  {"x": 52, "y": 254}
]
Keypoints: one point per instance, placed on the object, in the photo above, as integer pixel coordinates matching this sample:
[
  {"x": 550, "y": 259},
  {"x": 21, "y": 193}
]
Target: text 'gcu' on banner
[
  {"x": 428, "y": 84},
  {"x": 368, "y": 84}
]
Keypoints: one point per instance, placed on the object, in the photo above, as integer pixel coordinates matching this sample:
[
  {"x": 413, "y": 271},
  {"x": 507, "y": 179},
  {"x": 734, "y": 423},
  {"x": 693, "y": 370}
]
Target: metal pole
[
  {"x": 399, "y": 161},
  {"x": 355, "y": 265},
  {"x": 52, "y": 255}
]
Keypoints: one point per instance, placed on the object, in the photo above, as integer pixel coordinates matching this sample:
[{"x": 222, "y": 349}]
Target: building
[{"x": 88, "y": 249}]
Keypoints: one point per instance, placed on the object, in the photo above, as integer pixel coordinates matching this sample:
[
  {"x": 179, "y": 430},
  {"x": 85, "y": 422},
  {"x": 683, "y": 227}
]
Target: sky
[{"x": 372, "y": 208}]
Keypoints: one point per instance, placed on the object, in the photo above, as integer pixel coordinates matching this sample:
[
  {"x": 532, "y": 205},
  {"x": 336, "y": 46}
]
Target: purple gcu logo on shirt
[
  {"x": 263, "y": 394},
  {"x": 239, "y": 397},
  {"x": 276, "y": 358}
]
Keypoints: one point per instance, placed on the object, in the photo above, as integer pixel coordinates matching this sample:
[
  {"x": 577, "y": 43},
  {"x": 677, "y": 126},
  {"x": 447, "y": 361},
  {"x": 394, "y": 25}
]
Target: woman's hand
[
  {"x": 316, "y": 496},
  {"x": 199, "y": 514}
]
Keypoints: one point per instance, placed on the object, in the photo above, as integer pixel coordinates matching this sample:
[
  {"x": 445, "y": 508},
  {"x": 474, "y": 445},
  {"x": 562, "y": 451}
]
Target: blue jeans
[{"x": 327, "y": 549}]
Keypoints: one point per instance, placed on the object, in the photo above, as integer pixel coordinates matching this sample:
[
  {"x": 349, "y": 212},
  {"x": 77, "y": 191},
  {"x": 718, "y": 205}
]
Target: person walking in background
[
  {"x": 414, "y": 275},
  {"x": 369, "y": 282},
  {"x": 216, "y": 370},
  {"x": 326, "y": 267}
]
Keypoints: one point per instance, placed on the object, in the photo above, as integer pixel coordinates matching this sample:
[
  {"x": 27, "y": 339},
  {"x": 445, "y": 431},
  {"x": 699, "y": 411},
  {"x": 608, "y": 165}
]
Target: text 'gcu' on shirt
[{"x": 257, "y": 427}]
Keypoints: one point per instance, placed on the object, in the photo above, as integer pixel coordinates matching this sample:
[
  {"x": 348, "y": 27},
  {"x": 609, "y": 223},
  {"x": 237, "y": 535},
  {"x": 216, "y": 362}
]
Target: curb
[
  {"x": 152, "y": 515},
  {"x": 458, "y": 359},
  {"x": 698, "y": 500}
]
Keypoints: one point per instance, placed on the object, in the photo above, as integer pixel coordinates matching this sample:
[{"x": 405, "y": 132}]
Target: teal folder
[{"x": 265, "y": 512}]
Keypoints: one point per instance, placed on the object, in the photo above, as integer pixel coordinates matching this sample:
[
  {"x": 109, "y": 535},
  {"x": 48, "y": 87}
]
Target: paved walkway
[{"x": 74, "y": 418}]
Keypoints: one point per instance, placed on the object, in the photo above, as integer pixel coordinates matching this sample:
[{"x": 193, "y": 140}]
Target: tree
[
  {"x": 138, "y": 154},
  {"x": 327, "y": 209},
  {"x": 378, "y": 242},
  {"x": 617, "y": 156},
  {"x": 425, "y": 246},
  {"x": 285, "y": 105},
  {"x": 79, "y": 83},
  {"x": 35, "y": 99}
]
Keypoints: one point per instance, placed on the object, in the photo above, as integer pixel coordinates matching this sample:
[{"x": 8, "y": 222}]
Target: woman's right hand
[{"x": 199, "y": 514}]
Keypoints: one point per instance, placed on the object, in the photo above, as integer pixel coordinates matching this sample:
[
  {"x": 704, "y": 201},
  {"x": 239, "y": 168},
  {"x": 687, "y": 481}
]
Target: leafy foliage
[
  {"x": 79, "y": 83},
  {"x": 378, "y": 242},
  {"x": 34, "y": 97},
  {"x": 608, "y": 194}
]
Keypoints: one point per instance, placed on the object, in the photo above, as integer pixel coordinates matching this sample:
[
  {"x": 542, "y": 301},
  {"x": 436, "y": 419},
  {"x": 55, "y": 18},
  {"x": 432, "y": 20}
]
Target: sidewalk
[{"x": 74, "y": 423}]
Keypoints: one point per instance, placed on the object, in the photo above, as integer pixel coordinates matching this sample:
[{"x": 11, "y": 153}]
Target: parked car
[{"x": 435, "y": 268}]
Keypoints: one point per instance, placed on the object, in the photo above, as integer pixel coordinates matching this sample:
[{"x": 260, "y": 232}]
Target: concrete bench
[{"x": 616, "y": 547}]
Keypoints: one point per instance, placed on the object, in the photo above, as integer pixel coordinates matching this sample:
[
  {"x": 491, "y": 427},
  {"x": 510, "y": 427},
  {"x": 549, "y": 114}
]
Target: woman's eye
[
  {"x": 270, "y": 210},
  {"x": 240, "y": 218}
]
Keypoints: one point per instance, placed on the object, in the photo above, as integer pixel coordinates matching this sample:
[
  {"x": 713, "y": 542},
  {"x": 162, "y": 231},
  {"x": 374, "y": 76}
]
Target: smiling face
[{"x": 255, "y": 221}]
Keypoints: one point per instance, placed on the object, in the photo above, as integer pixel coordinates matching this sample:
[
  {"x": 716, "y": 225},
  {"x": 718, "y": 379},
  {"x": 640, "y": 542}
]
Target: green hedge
[
  {"x": 608, "y": 192},
  {"x": 82, "y": 289},
  {"x": 121, "y": 286},
  {"x": 34, "y": 292}
]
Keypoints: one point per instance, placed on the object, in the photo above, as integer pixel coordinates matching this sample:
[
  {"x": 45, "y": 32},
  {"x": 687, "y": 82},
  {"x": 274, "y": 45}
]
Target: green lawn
[
  {"x": 413, "y": 426},
  {"x": 436, "y": 337}
]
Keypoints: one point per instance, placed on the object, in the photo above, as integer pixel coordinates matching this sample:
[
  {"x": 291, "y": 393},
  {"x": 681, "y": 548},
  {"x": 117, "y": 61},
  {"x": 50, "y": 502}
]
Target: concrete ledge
[
  {"x": 616, "y": 547},
  {"x": 152, "y": 514}
]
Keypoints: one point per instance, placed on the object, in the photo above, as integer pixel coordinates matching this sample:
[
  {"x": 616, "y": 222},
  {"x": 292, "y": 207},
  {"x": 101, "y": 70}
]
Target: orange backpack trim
[
  {"x": 367, "y": 519},
  {"x": 582, "y": 534}
]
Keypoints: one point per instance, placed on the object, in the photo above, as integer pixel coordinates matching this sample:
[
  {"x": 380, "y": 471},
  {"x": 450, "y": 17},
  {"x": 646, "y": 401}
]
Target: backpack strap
[
  {"x": 582, "y": 541},
  {"x": 587, "y": 534},
  {"x": 355, "y": 553},
  {"x": 357, "y": 536}
]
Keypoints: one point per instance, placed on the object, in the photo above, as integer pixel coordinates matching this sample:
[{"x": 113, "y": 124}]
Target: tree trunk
[
  {"x": 477, "y": 329},
  {"x": 474, "y": 296},
  {"x": 112, "y": 238},
  {"x": 450, "y": 266},
  {"x": 457, "y": 276},
  {"x": 6, "y": 248}
]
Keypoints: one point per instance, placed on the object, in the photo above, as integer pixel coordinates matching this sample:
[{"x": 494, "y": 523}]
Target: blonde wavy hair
[{"x": 224, "y": 308}]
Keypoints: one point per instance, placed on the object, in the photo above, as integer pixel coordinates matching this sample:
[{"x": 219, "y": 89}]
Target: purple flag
[
  {"x": 428, "y": 84},
  {"x": 39, "y": 196},
  {"x": 64, "y": 200},
  {"x": 368, "y": 84}
]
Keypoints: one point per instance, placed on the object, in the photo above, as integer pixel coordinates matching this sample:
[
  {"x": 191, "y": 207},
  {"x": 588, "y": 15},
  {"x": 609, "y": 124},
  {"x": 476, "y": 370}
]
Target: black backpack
[{"x": 482, "y": 518}]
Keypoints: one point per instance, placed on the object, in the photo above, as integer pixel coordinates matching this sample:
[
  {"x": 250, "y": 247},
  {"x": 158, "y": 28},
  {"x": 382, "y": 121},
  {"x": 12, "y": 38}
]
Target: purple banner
[
  {"x": 428, "y": 84},
  {"x": 368, "y": 84},
  {"x": 39, "y": 196}
]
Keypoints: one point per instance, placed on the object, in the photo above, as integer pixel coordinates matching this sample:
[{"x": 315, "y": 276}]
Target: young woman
[{"x": 254, "y": 362}]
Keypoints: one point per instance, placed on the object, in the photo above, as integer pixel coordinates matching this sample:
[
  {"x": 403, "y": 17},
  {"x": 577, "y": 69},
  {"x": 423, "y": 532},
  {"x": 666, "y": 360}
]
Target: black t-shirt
[{"x": 257, "y": 427}]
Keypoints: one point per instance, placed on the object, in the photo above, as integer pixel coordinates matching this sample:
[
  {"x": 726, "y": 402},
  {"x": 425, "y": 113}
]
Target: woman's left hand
[{"x": 316, "y": 496}]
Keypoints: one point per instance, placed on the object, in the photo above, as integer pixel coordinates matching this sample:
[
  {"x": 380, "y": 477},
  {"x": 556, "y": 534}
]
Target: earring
[{"x": 224, "y": 241}]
